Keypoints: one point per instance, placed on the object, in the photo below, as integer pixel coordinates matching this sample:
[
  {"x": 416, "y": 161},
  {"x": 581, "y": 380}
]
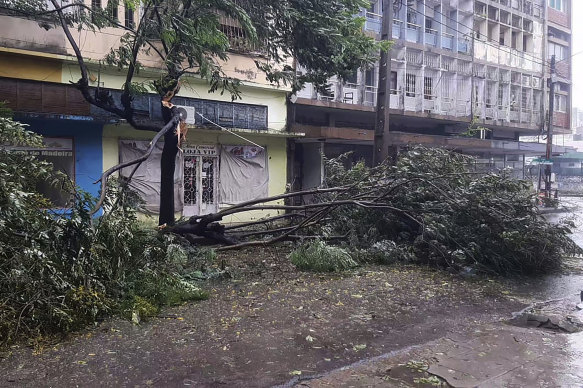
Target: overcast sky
[{"x": 577, "y": 59}]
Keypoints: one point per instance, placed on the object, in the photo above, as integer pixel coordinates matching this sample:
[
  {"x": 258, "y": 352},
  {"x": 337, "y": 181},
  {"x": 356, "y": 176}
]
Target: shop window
[{"x": 59, "y": 152}]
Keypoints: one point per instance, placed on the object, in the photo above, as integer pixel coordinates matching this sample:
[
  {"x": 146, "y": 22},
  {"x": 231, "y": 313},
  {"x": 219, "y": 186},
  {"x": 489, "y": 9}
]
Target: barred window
[{"x": 410, "y": 81}]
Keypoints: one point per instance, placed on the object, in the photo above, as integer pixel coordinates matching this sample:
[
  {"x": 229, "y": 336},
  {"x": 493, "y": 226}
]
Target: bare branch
[
  {"x": 263, "y": 221},
  {"x": 247, "y": 204}
]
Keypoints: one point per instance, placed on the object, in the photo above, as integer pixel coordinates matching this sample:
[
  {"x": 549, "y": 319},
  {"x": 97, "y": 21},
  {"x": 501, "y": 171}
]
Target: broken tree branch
[
  {"x": 170, "y": 125},
  {"x": 263, "y": 221}
]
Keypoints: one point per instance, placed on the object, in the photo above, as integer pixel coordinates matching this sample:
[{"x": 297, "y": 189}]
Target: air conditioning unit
[{"x": 188, "y": 113}]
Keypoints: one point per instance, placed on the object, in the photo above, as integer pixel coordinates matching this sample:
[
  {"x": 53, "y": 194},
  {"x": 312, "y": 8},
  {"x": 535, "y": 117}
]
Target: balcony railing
[
  {"x": 463, "y": 46},
  {"x": 447, "y": 41},
  {"x": 413, "y": 32},
  {"x": 397, "y": 28},
  {"x": 431, "y": 36},
  {"x": 373, "y": 22}
]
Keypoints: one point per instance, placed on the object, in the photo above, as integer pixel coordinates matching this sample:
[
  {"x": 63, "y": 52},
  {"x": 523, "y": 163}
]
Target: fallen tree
[{"x": 431, "y": 205}]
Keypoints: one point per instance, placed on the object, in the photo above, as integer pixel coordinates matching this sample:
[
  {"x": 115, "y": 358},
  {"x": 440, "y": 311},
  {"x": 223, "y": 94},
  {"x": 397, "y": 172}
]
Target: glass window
[
  {"x": 129, "y": 17},
  {"x": 393, "y": 82},
  {"x": 410, "y": 85},
  {"x": 560, "y": 103},
  {"x": 559, "y": 5},
  {"x": 428, "y": 88},
  {"x": 353, "y": 79},
  {"x": 369, "y": 79},
  {"x": 112, "y": 11},
  {"x": 560, "y": 52}
]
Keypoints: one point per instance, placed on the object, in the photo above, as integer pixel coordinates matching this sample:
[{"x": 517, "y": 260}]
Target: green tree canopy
[{"x": 187, "y": 37}]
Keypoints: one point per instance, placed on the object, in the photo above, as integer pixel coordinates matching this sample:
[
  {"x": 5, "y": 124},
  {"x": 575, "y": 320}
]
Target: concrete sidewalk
[{"x": 492, "y": 355}]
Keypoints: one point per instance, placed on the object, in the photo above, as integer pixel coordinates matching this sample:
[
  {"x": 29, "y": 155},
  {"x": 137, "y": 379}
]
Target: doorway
[{"x": 200, "y": 184}]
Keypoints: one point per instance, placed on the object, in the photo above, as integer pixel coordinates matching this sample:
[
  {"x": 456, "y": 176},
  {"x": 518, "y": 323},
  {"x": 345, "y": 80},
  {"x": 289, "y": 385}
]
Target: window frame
[
  {"x": 129, "y": 17},
  {"x": 558, "y": 5},
  {"x": 410, "y": 85}
]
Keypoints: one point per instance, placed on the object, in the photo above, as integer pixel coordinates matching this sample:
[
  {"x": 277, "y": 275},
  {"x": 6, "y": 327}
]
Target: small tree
[{"x": 186, "y": 37}]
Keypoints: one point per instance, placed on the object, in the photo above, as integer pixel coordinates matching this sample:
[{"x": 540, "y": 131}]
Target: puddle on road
[
  {"x": 567, "y": 285},
  {"x": 572, "y": 373}
]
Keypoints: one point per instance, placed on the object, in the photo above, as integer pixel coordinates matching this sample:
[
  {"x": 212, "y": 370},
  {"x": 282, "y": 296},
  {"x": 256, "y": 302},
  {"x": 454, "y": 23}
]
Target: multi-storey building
[
  {"x": 216, "y": 169},
  {"x": 558, "y": 37},
  {"x": 455, "y": 64}
]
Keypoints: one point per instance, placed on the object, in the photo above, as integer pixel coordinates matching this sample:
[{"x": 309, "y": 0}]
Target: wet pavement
[
  {"x": 272, "y": 324},
  {"x": 540, "y": 346}
]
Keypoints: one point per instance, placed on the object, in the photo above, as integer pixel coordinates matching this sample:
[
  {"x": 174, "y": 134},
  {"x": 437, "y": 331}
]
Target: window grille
[
  {"x": 428, "y": 88},
  {"x": 410, "y": 81}
]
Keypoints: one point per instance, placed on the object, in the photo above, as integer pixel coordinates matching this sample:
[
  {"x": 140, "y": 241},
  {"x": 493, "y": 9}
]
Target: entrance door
[{"x": 201, "y": 172}]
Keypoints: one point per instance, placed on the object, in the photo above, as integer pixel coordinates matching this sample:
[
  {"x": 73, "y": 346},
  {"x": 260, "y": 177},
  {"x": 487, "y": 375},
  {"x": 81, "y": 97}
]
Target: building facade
[
  {"x": 455, "y": 64},
  {"x": 217, "y": 168}
]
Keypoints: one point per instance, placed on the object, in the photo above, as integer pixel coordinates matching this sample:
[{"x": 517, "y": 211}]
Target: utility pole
[
  {"x": 549, "y": 153},
  {"x": 381, "y": 135}
]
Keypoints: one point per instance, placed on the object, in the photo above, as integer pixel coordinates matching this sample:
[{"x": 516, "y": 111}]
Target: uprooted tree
[
  {"x": 185, "y": 37},
  {"x": 431, "y": 207}
]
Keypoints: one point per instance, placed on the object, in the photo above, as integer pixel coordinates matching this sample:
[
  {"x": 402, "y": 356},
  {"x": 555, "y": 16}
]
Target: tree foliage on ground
[
  {"x": 186, "y": 37},
  {"x": 453, "y": 217},
  {"x": 430, "y": 207},
  {"x": 60, "y": 271}
]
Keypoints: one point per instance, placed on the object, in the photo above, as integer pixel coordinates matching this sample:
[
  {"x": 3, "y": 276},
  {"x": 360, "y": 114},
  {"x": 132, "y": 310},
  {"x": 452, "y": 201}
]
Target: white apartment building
[{"x": 453, "y": 63}]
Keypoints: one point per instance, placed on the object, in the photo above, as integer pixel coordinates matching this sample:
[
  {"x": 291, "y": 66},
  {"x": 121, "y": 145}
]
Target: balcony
[
  {"x": 463, "y": 46},
  {"x": 447, "y": 41},
  {"x": 414, "y": 57},
  {"x": 412, "y": 34},
  {"x": 431, "y": 36},
  {"x": 373, "y": 22},
  {"x": 397, "y": 29}
]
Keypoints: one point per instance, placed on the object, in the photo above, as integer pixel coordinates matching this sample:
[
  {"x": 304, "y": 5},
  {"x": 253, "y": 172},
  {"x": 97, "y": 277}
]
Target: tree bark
[{"x": 167, "y": 168}]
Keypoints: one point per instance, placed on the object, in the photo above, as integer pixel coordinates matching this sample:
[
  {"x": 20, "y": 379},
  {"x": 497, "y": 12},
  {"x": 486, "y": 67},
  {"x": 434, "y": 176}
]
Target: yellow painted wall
[
  {"x": 276, "y": 153},
  {"x": 28, "y": 67}
]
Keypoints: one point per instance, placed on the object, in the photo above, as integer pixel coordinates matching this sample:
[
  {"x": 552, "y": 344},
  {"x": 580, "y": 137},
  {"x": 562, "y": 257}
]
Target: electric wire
[
  {"x": 469, "y": 35},
  {"x": 497, "y": 44},
  {"x": 231, "y": 132}
]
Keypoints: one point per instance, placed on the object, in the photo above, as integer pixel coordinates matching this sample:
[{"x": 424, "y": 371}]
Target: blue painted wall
[{"x": 87, "y": 137}]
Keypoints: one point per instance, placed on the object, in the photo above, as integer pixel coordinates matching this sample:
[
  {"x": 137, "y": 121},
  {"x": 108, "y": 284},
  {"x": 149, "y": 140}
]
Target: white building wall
[{"x": 456, "y": 40}]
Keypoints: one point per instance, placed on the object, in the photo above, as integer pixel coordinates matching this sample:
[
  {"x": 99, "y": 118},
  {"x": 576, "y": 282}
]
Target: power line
[
  {"x": 577, "y": 53},
  {"x": 473, "y": 30},
  {"x": 231, "y": 132}
]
